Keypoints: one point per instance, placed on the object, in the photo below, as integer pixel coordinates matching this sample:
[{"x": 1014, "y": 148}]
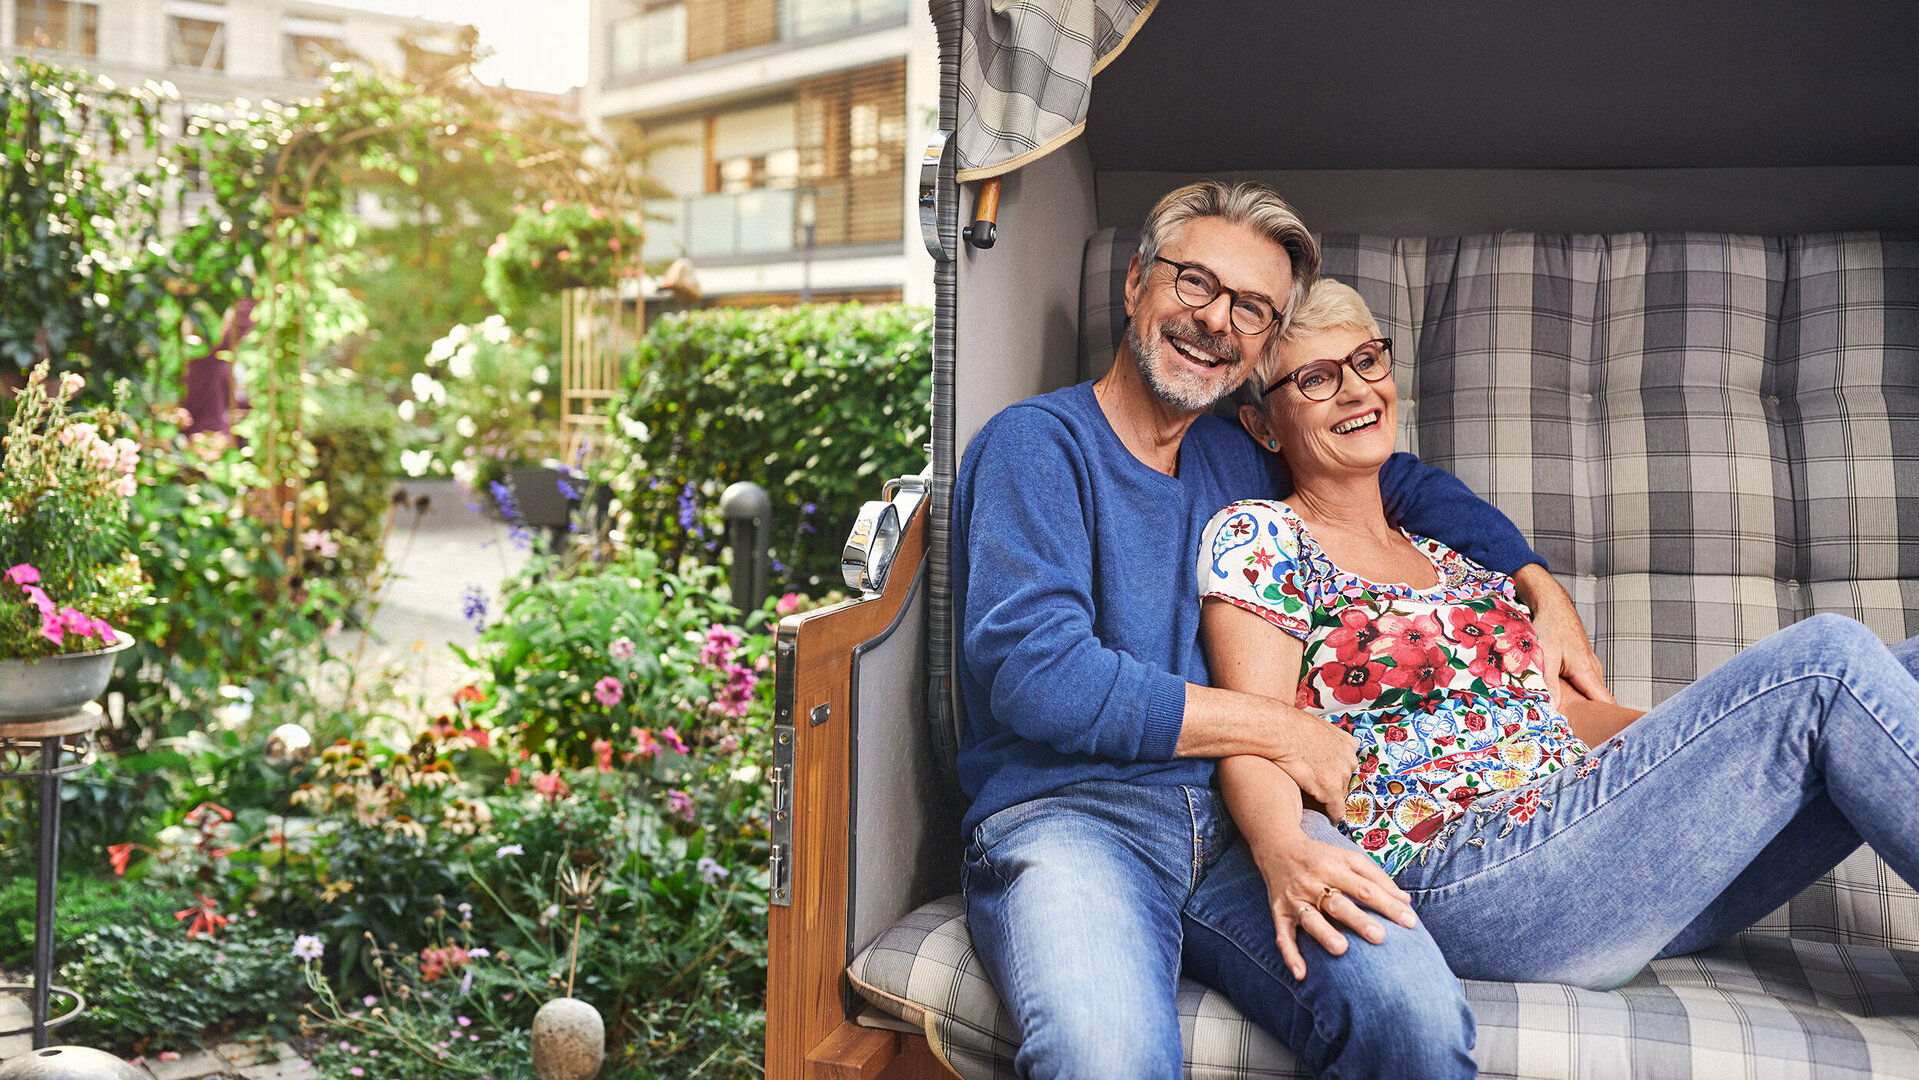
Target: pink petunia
[
  {"x": 38, "y": 598},
  {"x": 672, "y": 739},
  {"x": 608, "y": 691},
  {"x": 23, "y": 574}
]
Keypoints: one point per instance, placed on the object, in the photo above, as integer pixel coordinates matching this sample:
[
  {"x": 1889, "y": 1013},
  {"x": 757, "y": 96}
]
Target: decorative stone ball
[
  {"x": 569, "y": 1040},
  {"x": 69, "y": 1063}
]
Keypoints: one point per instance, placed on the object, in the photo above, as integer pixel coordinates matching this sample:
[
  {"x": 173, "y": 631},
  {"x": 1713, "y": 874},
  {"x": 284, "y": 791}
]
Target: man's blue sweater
[{"x": 1073, "y": 578}]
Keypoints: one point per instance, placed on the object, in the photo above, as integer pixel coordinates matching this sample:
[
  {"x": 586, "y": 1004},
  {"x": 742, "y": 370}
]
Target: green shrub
[
  {"x": 86, "y": 903},
  {"x": 354, "y": 432},
  {"x": 150, "y": 990},
  {"x": 819, "y": 405}
]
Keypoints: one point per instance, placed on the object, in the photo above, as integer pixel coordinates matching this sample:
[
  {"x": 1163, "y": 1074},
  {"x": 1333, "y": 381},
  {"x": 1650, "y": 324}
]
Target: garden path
[{"x": 424, "y": 607}]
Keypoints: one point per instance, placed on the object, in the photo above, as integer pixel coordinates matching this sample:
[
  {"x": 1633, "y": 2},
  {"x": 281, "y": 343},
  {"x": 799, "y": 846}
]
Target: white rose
[
  {"x": 541, "y": 374},
  {"x": 416, "y": 462},
  {"x": 466, "y": 472},
  {"x": 746, "y": 774},
  {"x": 442, "y": 349},
  {"x": 428, "y": 389},
  {"x": 408, "y": 411},
  {"x": 634, "y": 429},
  {"x": 534, "y": 397},
  {"x": 466, "y": 427}
]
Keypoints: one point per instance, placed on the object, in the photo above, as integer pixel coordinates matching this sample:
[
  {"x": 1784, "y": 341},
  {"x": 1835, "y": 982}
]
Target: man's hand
[
  {"x": 1321, "y": 759},
  {"x": 1566, "y": 653}
]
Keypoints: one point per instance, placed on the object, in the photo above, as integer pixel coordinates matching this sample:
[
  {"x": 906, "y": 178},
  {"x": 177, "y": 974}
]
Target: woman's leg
[{"x": 1583, "y": 877}]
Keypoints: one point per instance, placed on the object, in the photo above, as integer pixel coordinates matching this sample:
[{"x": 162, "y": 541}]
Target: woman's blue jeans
[
  {"x": 1087, "y": 904},
  {"x": 1699, "y": 818}
]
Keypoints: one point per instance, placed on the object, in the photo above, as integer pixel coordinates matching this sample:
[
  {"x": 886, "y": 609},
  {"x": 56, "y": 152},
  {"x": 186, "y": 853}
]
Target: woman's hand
[{"x": 1315, "y": 888}]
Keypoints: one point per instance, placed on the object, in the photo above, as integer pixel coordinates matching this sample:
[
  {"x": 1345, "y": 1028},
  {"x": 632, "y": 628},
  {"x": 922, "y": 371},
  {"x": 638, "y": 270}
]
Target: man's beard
[{"x": 1169, "y": 379}]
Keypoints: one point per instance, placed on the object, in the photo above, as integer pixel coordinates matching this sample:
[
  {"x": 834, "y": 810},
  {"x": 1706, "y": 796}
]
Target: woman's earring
[{"x": 1272, "y": 444}]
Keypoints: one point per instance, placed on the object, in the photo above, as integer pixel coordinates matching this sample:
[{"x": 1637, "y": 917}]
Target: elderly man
[{"x": 1100, "y": 861}]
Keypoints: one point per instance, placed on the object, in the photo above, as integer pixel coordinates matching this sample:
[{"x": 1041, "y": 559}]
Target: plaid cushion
[{"x": 1756, "y": 1005}]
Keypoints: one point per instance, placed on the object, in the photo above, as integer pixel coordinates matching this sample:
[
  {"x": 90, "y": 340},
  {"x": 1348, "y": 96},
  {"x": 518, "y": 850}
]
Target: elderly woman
[{"x": 1539, "y": 836}]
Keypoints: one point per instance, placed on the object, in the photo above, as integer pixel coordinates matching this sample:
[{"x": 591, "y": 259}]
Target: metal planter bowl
[{"x": 56, "y": 685}]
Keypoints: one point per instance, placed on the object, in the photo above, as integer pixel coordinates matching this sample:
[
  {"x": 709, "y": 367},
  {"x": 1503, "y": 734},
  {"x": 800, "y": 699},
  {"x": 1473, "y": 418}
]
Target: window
[
  {"x": 308, "y": 55},
  {"x": 197, "y": 43},
  {"x": 652, "y": 40},
  {"x": 60, "y": 25}
]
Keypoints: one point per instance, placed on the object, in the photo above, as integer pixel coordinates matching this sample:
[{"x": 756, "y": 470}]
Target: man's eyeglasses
[
  {"x": 1321, "y": 379},
  {"x": 1196, "y": 287}
]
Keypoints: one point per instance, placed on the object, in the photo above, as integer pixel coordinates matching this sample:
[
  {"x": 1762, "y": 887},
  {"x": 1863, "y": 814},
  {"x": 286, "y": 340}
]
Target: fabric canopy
[{"x": 1026, "y": 75}]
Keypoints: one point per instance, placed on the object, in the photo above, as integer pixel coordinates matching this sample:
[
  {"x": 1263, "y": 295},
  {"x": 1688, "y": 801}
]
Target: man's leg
[
  {"x": 1073, "y": 901},
  {"x": 1387, "y": 1010}
]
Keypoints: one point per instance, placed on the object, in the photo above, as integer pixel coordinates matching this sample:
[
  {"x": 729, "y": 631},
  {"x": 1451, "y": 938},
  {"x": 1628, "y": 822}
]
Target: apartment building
[
  {"x": 784, "y": 130},
  {"x": 216, "y": 50}
]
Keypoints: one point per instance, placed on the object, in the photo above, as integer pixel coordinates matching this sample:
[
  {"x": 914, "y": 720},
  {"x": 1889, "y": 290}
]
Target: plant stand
[{"x": 46, "y": 750}]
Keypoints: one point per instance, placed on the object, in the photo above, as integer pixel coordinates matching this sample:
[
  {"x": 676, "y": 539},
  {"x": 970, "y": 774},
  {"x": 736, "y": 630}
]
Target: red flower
[
  {"x": 1413, "y": 630},
  {"x": 1352, "y": 683},
  {"x": 1263, "y": 558},
  {"x": 1396, "y": 733},
  {"x": 1355, "y": 636},
  {"x": 1525, "y": 806},
  {"x": 513, "y": 777},
  {"x": 1421, "y": 668},
  {"x": 1518, "y": 648},
  {"x": 478, "y": 737},
  {"x": 603, "y": 750},
  {"x": 119, "y": 855},
  {"x": 469, "y": 693},
  {"x": 1475, "y": 722},
  {"x": 1373, "y": 840},
  {"x": 206, "y": 918}
]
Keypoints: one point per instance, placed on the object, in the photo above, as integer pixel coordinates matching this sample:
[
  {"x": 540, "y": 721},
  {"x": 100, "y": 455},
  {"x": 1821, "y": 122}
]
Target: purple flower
[
  {"x": 672, "y": 739},
  {"x": 568, "y": 491},
  {"x": 689, "y": 512},
  {"x": 721, "y": 640},
  {"x": 680, "y": 803},
  {"x": 473, "y": 606},
  {"x": 711, "y": 870},
  {"x": 503, "y": 498}
]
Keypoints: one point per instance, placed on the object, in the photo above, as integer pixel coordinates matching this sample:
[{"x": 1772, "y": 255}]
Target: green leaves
[{"x": 819, "y": 405}]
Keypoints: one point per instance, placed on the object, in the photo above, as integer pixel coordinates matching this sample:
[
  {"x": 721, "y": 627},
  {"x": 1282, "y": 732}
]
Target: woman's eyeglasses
[{"x": 1321, "y": 379}]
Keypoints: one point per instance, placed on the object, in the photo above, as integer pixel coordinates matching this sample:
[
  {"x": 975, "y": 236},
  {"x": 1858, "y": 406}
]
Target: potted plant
[
  {"x": 67, "y": 569},
  {"x": 559, "y": 246}
]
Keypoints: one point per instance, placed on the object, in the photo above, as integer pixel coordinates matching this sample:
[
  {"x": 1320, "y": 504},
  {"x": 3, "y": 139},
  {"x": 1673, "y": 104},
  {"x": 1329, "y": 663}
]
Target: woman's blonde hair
[{"x": 1329, "y": 305}]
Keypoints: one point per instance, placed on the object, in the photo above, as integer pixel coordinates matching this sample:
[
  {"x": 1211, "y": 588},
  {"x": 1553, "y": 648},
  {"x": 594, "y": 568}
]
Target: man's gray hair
[{"x": 1244, "y": 203}]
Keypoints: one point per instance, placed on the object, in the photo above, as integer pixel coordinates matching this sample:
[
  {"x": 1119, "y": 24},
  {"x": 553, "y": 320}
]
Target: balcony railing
[
  {"x": 660, "y": 40},
  {"x": 766, "y": 221}
]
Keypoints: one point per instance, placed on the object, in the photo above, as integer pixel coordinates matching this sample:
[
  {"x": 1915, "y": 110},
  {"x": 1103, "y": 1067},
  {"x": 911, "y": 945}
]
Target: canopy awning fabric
[{"x": 1026, "y": 75}]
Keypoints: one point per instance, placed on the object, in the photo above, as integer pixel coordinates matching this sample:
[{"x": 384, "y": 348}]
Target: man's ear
[{"x": 1135, "y": 281}]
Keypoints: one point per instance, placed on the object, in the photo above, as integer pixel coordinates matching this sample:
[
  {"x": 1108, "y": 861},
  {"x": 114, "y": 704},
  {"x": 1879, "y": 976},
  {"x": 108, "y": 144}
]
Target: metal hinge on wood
[{"x": 780, "y": 857}]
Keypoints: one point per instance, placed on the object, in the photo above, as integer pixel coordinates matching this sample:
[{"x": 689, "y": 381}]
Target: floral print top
[{"x": 1440, "y": 686}]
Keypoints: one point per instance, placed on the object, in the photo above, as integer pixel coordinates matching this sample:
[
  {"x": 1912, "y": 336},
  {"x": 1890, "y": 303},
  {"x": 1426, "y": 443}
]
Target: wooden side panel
[
  {"x": 916, "y": 1062},
  {"x": 807, "y": 940}
]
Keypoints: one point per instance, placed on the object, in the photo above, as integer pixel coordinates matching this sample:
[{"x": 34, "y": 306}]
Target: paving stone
[
  {"x": 187, "y": 1067},
  {"x": 240, "y": 1055},
  {"x": 14, "y": 1014},
  {"x": 291, "y": 1067}
]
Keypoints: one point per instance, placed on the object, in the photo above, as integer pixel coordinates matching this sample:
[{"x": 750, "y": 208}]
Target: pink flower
[
  {"x": 320, "y": 542},
  {"x": 787, "y": 604},
  {"x": 603, "y": 750},
  {"x": 672, "y": 739},
  {"x": 125, "y": 487},
  {"x": 720, "y": 643},
  {"x": 71, "y": 383},
  {"x": 680, "y": 803},
  {"x": 50, "y": 628},
  {"x": 643, "y": 745},
  {"x": 552, "y": 786},
  {"x": 621, "y": 648},
  {"x": 23, "y": 574},
  {"x": 39, "y": 598},
  {"x": 608, "y": 691},
  {"x": 498, "y": 245}
]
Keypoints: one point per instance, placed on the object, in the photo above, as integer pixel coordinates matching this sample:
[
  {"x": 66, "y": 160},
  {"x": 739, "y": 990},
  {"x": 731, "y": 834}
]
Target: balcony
[
  {"x": 664, "y": 40},
  {"x": 765, "y": 221}
]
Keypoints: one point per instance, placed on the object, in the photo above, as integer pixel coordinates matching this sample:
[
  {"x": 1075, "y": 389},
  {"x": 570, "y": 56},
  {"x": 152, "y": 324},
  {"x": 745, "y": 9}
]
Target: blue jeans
[
  {"x": 1086, "y": 904},
  {"x": 1705, "y": 814}
]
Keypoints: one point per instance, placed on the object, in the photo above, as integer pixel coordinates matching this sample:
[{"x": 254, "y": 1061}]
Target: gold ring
[
  {"x": 1325, "y": 896},
  {"x": 1303, "y": 909}
]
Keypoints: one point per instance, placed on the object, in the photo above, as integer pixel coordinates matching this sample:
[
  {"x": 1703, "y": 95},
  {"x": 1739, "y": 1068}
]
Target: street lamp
[{"x": 806, "y": 208}]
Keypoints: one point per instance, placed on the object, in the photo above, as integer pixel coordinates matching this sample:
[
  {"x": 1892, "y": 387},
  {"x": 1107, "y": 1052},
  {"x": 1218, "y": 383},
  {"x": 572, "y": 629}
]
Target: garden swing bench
[{"x": 1657, "y": 269}]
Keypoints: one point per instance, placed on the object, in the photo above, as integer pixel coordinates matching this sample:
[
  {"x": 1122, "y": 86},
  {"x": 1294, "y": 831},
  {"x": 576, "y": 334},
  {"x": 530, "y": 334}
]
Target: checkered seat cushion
[
  {"x": 1757, "y": 1005},
  {"x": 1708, "y": 437}
]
